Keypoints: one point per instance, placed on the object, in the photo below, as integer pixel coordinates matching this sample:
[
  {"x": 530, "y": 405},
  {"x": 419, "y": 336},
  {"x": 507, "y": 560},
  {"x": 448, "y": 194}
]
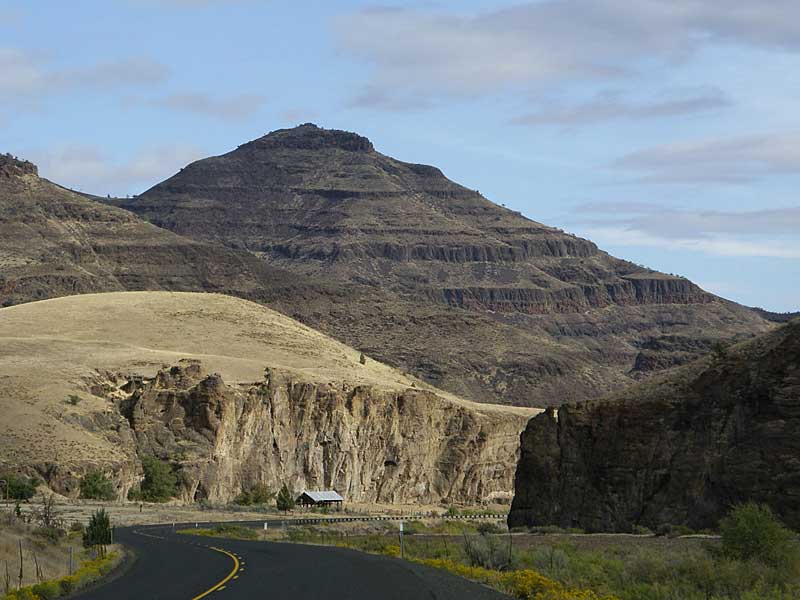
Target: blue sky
[{"x": 667, "y": 131}]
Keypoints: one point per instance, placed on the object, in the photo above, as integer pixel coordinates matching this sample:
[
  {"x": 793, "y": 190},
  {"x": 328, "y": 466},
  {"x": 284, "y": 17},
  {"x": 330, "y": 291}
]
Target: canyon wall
[
  {"x": 680, "y": 449},
  {"x": 370, "y": 445}
]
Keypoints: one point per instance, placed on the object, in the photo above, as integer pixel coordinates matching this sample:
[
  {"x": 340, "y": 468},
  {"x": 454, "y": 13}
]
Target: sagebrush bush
[
  {"x": 751, "y": 531},
  {"x": 487, "y": 551},
  {"x": 95, "y": 486}
]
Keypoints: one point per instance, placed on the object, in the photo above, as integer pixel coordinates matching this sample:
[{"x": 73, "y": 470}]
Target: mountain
[
  {"x": 681, "y": 448},
  {"x": 54, "y": 242},
  {"x": 435, "y": 279},
  {"x": 233, "y": 394}
]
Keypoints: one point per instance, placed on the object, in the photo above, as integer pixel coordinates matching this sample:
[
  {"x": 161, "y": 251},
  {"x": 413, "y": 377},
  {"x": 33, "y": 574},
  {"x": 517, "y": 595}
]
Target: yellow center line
[{"x": 221, "y": 584}]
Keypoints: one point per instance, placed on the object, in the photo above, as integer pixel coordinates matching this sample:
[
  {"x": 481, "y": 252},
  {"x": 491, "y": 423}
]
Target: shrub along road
[{"x": 172, "y": 566}]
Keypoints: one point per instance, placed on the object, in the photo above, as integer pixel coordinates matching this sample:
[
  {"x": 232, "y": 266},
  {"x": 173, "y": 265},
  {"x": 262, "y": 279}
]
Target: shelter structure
[{"x": 319, "y": 498}]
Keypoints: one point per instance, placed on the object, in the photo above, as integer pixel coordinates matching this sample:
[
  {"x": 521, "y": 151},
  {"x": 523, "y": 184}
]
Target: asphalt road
[{"x": 173, "y": 566}]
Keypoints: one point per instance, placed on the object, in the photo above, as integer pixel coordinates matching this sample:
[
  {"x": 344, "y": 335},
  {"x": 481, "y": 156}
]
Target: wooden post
[
  {"x": 38, "y": 571},
  {"x": 20, "y": 564}
]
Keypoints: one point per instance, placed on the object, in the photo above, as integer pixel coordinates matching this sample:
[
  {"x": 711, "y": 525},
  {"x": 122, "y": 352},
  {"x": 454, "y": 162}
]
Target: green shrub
[
  {"x": 234, "y": 531},
  {"x": 285, "y": 499},
  {"x": 19, "y": 486},
  {"x": 51, "y": 534},
  {"x": 751, "y": 531},
  {"x": 159, "y": 484},
  {"x": 68, "y": 584},
  {"x": 98, "y": 532},
  {"x": 77, "y": 527},
  {"x": 670, "y": 530},
  {"x": 487, "y": 551},
  {"x": 487, "y": 527},
  {"x": 73, "y": 399},
  {"x": 95, "y": 486},
  {"x": 49, "y": 590},
  {"x": 257, "y": 494}
]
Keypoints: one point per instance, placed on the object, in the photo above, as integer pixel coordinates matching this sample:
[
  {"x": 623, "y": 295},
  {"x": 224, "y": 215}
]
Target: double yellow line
[{"x": 230, "y": 575}]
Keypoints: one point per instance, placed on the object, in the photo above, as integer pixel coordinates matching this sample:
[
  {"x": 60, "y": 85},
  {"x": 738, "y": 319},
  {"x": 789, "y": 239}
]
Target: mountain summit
[{"x": 432, "y": 277}]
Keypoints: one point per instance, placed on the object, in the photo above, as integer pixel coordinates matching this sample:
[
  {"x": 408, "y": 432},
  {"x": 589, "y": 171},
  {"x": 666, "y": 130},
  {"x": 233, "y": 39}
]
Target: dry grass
[{"x": 53, "y": 558}]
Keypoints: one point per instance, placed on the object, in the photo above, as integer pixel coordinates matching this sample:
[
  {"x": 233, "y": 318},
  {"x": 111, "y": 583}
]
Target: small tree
[
  {"x": 159, "y": 484},
  {"x": 257, "y": 494},
  {"x": 285, "y": 499},
  {"x": 95, "y": 486},
  {"x": 751, "y": 531},
  {"x": 362, "y": 359},
  {"x": 47, "y": 514},
  {"x": 98, "y": 532},
  {"x": 18, "y": 487}
]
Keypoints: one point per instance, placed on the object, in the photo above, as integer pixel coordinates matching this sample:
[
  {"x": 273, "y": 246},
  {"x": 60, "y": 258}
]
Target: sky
[{"x": 666, "y": 131}]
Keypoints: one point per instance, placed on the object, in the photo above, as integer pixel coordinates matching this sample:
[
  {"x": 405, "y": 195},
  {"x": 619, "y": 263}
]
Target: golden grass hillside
[{"x": 53, "y": 349}]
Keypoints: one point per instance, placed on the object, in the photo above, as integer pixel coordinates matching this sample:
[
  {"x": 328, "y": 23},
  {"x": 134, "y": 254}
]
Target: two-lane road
[{"x": 170, "y": 566}]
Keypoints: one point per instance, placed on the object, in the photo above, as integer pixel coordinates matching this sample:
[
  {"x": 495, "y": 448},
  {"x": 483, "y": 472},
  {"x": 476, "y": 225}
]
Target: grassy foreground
[{"x": 563, "y": 566}]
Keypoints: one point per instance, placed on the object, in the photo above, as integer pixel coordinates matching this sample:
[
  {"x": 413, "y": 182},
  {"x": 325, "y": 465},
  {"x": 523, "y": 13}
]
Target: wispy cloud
[
  {"x": 235, "y": 107},
  {"x": 89, "y": 168},
  {"x": 25, "y": 75},
  {"x": 612, "y": 106},
  {"x": 737, "y": 159},
  {"x": 425, "y": 53},
  {"x": 765, "y": 233}
]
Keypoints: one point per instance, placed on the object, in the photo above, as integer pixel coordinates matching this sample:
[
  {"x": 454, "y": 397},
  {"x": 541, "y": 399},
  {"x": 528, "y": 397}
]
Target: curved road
[{"x": 173, "y": 566}]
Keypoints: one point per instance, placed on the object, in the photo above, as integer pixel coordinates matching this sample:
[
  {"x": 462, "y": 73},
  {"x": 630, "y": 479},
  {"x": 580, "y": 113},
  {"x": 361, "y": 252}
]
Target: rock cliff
[
  {"x": 680, "y": 448},
  {"x": 370, "y": 445},
  {"x": 233, "y": 394},
  {"x": 435, "y": 279}
]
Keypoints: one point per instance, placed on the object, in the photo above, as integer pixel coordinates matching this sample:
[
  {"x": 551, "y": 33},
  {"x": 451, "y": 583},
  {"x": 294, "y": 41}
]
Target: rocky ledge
[{"x": 11, "y": 166}]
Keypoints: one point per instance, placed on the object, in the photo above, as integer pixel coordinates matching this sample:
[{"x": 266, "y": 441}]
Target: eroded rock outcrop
[
  {"x": 370, "y": 445},
  {"x": 678, "y": 449}
]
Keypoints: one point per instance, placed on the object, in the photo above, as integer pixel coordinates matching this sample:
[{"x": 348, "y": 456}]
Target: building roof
[{"x": 323, "y": 496}]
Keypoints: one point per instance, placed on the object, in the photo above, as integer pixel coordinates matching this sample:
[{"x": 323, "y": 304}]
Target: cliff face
[
  {"x": 54, "y": 242},
  {"x": 233, "y": 394},
  {"x": 435, "y": 279},
  {"x": 678, "y": 449},
  {"x": 368, "y": 444}
]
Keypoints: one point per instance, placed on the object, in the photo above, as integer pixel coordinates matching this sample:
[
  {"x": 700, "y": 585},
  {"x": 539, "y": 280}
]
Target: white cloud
[
  {"x": 235, "y": 107},
  {"x": 420, "y": 54},
  {"x": 609, "y": 106},
  {"x": 765, "y": 233},
  {"x": 736, "y": 159},
  {"x": 718, "y": 246},
  {"x": 26, "y": 75},
  {"x": 90, "y": 169}
]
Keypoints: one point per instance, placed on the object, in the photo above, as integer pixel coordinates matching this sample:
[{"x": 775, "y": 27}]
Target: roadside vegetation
[
  {"x": 17, "y": 487},
  {"x": 754, "y": 557},
  {"x": 42, "y": 558},
  {"x": 95, "y": 486},
  {"x": 159, "y": 484}
]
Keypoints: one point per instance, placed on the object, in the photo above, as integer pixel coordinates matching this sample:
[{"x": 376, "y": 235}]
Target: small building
[{"x": 321, "y": 498}]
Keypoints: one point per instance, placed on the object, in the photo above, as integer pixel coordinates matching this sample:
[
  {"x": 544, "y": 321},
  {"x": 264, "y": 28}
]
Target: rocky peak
[
  {"x": 11, "y": 166},
  {"x": 309, "y": 136}
]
